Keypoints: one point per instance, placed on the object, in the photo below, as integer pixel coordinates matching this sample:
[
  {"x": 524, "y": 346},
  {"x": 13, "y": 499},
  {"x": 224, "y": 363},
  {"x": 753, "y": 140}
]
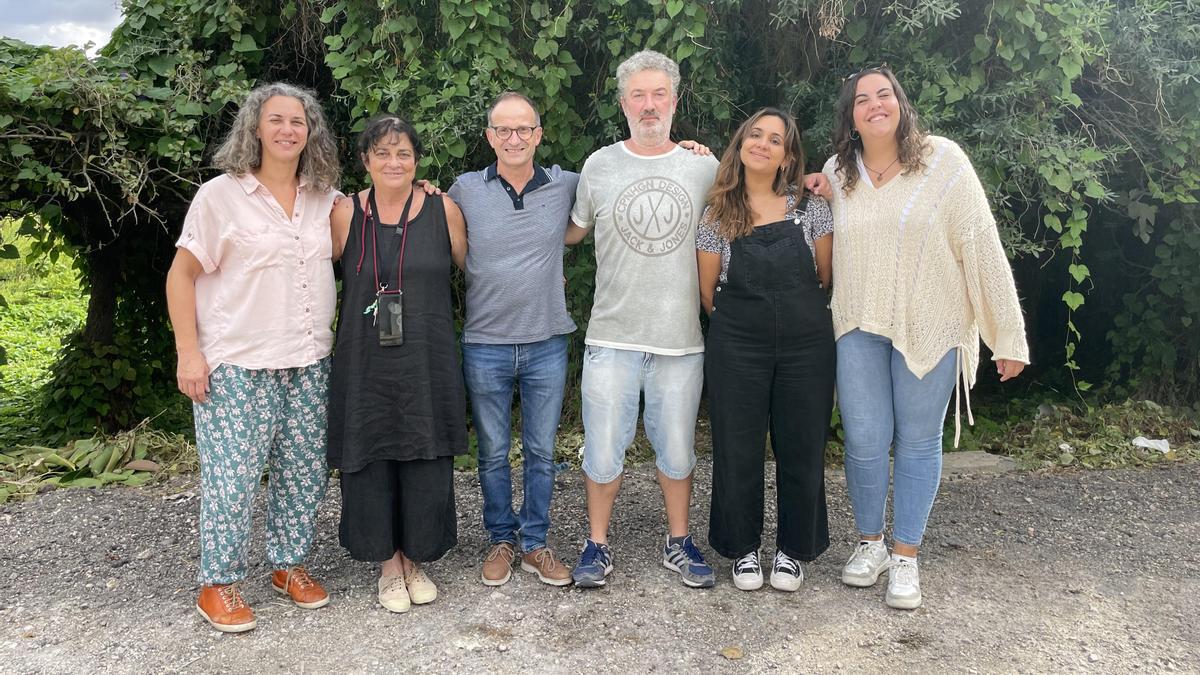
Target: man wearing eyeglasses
[{"x": 516, "y": 331}]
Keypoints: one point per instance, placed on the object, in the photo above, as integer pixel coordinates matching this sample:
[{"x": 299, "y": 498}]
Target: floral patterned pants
[{"x": 255, "y": 419}]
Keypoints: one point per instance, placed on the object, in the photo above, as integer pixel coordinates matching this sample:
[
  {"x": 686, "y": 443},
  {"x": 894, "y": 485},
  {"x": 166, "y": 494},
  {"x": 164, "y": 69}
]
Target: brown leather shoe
[
  {"x": 497, "y": 564},
  {"x": 222, "y": 606},
  {"x": 303, "y": 589},
  {"x": 547, "y": 568}
]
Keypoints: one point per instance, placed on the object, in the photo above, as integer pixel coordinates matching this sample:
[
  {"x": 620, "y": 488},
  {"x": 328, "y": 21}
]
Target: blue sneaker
[
  {"x": 685, "y": 558},
  {"x": 595, "y": 563}
]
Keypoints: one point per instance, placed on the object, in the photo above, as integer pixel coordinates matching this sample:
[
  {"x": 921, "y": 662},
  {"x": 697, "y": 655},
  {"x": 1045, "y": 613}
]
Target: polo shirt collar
[{"x": 540, "y": 176}]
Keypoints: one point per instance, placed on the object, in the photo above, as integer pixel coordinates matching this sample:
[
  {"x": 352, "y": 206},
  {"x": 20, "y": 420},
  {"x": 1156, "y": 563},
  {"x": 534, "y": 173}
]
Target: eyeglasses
[
  {"x": 504, "y": 133},
  {"x": 883, "y": 67}
]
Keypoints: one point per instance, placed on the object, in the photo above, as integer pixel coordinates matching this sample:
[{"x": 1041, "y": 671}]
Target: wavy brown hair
[
  {"x": 909, "y": 135},
  {"x": 728, "y": 205},
  {"x": 241, "y": 151}
]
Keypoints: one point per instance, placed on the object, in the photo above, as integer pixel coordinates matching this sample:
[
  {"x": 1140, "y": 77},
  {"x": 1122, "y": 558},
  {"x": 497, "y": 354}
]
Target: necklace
[{"x": 879, "y": 174}]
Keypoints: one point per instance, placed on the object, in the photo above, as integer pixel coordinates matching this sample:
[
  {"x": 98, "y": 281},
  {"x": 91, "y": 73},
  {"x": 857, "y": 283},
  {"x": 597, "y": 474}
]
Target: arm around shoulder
[
  {"x": 339, "y": 224},
  {"x": 456, "y": 225}
]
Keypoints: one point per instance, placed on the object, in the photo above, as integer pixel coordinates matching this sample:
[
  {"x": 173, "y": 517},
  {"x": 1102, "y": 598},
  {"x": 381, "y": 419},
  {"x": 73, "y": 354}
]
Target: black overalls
[{"x": 769, "y": 364}]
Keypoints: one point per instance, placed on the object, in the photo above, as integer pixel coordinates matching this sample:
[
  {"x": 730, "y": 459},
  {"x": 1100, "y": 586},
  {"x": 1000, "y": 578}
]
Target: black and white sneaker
[
  {"x": 747, "y": 574},
  {"x": 786, "y": 574}
]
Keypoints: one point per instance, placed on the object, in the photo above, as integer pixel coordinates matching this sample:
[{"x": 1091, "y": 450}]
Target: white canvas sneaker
[
  {"x": 786, "y": 573},
  {"x": 747, "y": 573}
]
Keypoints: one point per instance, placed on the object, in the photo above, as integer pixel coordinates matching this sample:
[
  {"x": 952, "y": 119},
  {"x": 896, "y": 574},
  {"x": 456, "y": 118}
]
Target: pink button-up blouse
[{"x": 266, "y": 298}]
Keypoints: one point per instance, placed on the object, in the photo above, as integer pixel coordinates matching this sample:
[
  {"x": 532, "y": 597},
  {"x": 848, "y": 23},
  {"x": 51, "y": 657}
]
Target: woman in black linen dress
[{"x": 397, "y": 411}]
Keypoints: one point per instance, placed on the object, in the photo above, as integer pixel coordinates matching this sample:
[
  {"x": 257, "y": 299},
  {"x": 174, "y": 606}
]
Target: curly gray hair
[
  {"x": 241, "y": 151},
  {"x": 647, "y": 60}
]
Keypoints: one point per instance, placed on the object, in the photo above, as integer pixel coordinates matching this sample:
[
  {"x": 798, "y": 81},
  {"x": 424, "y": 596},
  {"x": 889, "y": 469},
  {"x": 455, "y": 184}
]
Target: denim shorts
[{"x": 613, "y": 381}]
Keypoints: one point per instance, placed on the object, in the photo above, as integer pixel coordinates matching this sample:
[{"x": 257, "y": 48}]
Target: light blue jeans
[
  {"x": 539, "y": 370},
  {"x": 613, "y": 382},
  {"x": 883, "y": 405}
]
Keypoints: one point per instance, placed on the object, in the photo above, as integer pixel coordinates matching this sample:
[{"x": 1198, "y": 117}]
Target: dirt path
[{"x": 1021, "y": 572}]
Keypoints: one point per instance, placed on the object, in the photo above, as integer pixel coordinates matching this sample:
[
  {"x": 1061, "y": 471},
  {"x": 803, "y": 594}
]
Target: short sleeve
[
  {"x": 818, "y": 218},
  {"x": 707, "y": 239},
  {"x": 456, "y": 190},
  {"x": 201, "y": 235},
  {"x": 583, "y": 213}
]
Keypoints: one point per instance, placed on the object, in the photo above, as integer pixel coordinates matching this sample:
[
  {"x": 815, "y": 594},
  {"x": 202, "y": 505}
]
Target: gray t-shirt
[
  {"x": 515, "y": 258},
  {"x": 645, "y": 211}
]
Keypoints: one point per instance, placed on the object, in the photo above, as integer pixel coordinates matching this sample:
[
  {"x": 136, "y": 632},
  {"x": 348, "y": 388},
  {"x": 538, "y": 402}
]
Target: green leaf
[
  {"x": 19, "y": 149},
  {"x": 674, "y": 7},
  {"x": 245, "y": 43},
  {"x": 1073, "y": 300},
  {"x": 162, "y": 64},
  {"x": 1079, "y": 273},
  {"x": 190, "y": 108},
  {"x": 9, "y": 252}
]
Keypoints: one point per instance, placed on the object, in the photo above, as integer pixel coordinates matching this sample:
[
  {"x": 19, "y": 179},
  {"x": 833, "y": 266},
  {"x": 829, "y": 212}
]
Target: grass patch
[
  {"x": 44, "y": 306},
  {"x": 1049, "y": 434}
]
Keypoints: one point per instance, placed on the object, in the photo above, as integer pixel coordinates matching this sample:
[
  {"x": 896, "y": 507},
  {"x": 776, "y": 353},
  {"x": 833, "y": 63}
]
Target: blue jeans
[
  {"x": 613, "y": 383},
  {"x": 883, "y": 405},
  {"x": 539, "y": 369}
]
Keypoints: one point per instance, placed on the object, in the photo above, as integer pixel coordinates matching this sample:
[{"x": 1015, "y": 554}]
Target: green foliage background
[{"x": 1079, "y": 117}]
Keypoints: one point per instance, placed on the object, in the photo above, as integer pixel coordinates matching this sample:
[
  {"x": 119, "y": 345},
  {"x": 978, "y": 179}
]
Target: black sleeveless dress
[
  {"x": 405, "y": 402},
  {"x": 397, "y": 415}
]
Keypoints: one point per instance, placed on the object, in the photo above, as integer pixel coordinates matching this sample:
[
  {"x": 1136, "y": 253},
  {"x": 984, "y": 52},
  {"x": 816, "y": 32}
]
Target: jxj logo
[{"x": 654, "y": 215}]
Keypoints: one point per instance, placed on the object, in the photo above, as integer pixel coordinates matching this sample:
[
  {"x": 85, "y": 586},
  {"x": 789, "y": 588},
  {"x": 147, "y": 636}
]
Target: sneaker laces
[
  {"x": 904, "y": 572},
  {"x": 503, "y": 548},
  {"x": 230, "y": 597},
  {"x": 392, "y": 582},
  {"x": 591, "y": 554},
  {"x": 747, "y": 564},
  {"x": 299, "y": 575},
  {"x": 693, "y": 553},
  {"x": 862, "y": 552},
  {"x": 785, "y": 563},
  {"x": 543, "y": 557}
]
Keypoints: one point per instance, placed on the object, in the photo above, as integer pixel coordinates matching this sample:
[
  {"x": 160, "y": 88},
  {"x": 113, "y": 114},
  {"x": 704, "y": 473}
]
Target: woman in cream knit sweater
[{"x": 919, "y": 276}]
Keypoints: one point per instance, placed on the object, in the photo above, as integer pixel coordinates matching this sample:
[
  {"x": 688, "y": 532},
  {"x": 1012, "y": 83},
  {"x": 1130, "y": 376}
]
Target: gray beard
[{"x": 653, "y": 137}]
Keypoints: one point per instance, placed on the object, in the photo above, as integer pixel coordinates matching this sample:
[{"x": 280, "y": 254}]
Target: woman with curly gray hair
[{"x": 251, "y": 299}]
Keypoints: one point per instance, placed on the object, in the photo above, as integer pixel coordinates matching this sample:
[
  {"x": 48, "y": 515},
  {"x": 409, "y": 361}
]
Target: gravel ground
[{"x": 1061, "y": 572}]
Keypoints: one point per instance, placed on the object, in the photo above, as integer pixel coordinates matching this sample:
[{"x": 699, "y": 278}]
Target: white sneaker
[
  {"x": 786, "y": 574},
  {"x": 865, "y": 565},
  {"x": 747, "y": 574},
  {"x": 421, "y": 589},
  {"x": 904, "y": 584},
  {"x": 393, "y": 594}
]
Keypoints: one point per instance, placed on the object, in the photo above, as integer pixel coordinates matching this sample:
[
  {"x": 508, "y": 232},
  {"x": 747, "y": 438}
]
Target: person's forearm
[{"x": 181, "y": 307}]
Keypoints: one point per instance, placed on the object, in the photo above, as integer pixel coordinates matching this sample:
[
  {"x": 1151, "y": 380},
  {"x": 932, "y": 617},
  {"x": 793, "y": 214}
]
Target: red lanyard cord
[{"x": 368, "y": 217}]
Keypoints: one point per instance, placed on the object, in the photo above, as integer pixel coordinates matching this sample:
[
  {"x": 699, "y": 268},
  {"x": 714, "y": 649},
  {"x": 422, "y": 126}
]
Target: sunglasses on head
[{"x": 881, "y": 68}]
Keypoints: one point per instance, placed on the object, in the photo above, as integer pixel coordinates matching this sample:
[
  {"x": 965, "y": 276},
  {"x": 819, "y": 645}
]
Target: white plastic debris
[{"x": 1159, "y": 444}]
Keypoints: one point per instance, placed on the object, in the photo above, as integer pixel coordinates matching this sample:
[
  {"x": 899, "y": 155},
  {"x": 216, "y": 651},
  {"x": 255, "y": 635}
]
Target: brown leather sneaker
[
  {"x": 547, "y": 568},
  {"x": 223, "y": 607},
  {"x": 497, "y": 564},
  {"x": 303, "y": 589}
]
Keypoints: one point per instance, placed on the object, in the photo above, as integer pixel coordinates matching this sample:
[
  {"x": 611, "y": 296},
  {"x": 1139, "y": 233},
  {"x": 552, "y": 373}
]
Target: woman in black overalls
[{"x": 764, "y": 252}]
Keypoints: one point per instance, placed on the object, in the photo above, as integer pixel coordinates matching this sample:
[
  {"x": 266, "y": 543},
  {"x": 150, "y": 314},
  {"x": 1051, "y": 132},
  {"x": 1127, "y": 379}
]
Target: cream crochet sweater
[{"x": 919, "y": 261}]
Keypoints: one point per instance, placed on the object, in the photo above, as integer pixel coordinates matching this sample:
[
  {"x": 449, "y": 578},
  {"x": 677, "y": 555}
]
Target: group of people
[{"x": 917, "y": 273}]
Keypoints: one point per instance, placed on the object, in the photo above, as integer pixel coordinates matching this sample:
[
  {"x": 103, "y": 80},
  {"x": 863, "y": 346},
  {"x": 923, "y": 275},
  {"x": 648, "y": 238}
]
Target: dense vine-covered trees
[{"x": 1078, "y": 115}]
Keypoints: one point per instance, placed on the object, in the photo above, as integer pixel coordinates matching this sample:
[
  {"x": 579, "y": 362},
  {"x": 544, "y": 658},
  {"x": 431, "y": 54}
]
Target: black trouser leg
[
  {"x": 739, "y": 390},
  {"x": 801, "y": 404}
]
